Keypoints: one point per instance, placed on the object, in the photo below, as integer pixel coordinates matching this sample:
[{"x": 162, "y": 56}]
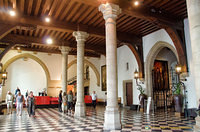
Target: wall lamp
[
  {"x": 3, "y": 74},
  {"x": 178, "y": 70},
  {"x": 136, "y": 76}
]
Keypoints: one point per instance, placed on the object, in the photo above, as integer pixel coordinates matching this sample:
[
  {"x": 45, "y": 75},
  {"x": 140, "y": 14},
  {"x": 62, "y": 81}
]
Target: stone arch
[
  {"x": 150, "y": 62},
  {"x": 5, "y": 66},
  {"x": 138, "y": 59},
  {"x": 89, "y": 64}
]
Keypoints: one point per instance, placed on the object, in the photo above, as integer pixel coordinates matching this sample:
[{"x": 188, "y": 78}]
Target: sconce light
[
  {"x": 3, "y": 77},
  {"x": 136, "y": 76},
  {"x": 178, "y": 69},
  {"x": 3, "y": 74}
]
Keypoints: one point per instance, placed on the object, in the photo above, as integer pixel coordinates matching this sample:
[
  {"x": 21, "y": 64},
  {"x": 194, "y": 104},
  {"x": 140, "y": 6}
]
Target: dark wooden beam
[
  {"x": 58, "y": 52},
  {"x": 5, "y": 29},
  {"x": 180, "y": 47},
  {"x": 19, "y": 39},
  {"x": 64, "y": 27},
  {"x": 6, "y": 50},
  {"x": 143, "y": 12}
]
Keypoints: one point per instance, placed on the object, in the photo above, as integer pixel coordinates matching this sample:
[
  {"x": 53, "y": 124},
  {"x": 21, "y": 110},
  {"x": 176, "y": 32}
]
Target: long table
[{"x": 45, "y": 100}]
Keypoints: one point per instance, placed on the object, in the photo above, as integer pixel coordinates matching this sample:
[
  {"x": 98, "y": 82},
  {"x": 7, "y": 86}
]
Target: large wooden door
[{"x": 129, "y": 93}]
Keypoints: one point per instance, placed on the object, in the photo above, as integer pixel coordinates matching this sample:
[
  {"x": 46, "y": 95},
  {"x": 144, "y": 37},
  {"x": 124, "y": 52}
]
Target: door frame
[{"x": 124, "y": 91}]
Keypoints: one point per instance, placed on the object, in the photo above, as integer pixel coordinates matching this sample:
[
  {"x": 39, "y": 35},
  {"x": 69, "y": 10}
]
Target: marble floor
[{"x": 49, "y": 119}]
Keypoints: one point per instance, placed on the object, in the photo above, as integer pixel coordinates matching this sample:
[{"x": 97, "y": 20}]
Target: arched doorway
[
  {"x": 27, "y": 72},
  {"x": 158, "y": 64}
]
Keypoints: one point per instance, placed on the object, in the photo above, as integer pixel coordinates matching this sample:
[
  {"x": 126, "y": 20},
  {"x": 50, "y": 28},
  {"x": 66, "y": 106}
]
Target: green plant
[
  {"x": 177, "y": 88},
  {"x": 141, "y": 89}
]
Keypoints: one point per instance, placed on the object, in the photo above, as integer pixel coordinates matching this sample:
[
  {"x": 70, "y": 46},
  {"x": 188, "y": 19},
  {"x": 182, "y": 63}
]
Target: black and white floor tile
[{"x": 52, "y": 120}]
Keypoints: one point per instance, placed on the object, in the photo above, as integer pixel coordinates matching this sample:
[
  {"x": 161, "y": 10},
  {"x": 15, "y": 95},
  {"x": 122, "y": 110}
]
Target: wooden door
[{"x": 129, "y": 93}]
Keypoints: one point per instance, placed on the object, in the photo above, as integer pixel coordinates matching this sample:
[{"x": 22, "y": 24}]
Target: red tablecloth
[
  {"x": 42, "y": 100},
  {"x": 54, "y": 100}
]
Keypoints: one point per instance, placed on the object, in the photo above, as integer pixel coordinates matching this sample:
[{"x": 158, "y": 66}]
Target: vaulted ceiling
[{"x": 29, "y": 30}]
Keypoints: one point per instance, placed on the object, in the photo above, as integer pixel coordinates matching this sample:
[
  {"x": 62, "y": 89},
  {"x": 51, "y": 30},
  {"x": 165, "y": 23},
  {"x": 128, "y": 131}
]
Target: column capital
[
  {"x": 80, "y": 35},
  {"x": 110, "y": 10},
  {"x": 64, "y": 49}
]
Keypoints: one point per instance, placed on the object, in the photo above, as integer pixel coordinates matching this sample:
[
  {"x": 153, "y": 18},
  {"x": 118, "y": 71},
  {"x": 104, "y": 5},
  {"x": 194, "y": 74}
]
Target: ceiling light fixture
[
  {"x": 12, "y": 13},
  {"x": 47, "y": 19},
  {"x": 49, "y": 41},
  {"x": 136, "y": 3}
]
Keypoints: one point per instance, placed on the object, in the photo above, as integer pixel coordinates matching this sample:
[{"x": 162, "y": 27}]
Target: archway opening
[
  {"x": 162, "y": 79},
  {"x": 26, "y": 74},
  {"x": 161, "y": 51}
]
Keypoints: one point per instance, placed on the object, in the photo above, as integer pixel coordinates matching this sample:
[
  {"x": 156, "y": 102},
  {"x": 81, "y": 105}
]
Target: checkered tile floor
[{"x": 52, "y": 120}]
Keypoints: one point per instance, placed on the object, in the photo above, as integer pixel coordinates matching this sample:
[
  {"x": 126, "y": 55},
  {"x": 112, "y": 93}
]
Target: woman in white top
[
  {"x": 9, "y": 102},
  {"x": 20, "y": 101}
]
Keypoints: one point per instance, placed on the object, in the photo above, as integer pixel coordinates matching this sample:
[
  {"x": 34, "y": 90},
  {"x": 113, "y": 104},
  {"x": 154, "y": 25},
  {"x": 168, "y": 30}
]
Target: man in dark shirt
[{"x": 60, "y": 101}]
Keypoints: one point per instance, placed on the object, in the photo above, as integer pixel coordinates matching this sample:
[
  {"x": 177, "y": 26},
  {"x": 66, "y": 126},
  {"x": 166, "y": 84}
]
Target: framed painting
[{"x": 103, "y": 78}]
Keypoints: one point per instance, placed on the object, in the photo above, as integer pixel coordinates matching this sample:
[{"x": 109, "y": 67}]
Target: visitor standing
[
  {"x": 70, "y": 101},
  {"x": 94, "y": 99},
  {"x": 9, "y": 102},
  {"x": 60, "y": 101},
  {"x": 64, "y": 102},
  {"x": 19, "y": 101},
  {"x": 31, "y": 104},
  {"x": 16, "y": 91}
]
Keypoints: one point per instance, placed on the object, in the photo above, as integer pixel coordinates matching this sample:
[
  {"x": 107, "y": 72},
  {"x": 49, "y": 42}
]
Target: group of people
[
  {"x": 66, "y": 101},
  {"x": 19, "y": 101}
]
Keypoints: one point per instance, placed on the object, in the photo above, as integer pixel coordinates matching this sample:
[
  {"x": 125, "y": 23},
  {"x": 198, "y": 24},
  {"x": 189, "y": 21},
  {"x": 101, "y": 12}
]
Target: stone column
[
  {"x": 65, "y": 51},
  {"x": 194, "y": 24},
  {"x": 80, "y": 104},
  {"x": 112, "y": 116}
]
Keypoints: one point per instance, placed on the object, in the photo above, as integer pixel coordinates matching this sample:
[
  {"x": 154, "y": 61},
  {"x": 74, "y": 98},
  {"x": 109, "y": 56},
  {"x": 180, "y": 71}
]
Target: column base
[
  {"x": 112, "y": 119},
  {"x": 177, "y": 114},
  {"x": 197, "y": 126},
  {"x": 79, "y": 110}
]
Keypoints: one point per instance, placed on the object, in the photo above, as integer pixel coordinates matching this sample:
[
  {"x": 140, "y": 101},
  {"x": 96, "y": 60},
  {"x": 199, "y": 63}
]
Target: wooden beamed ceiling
[{"x": 72, "y": 15}]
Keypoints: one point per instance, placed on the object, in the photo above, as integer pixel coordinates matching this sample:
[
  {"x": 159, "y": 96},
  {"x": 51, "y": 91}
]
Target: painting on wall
[{"x": 103, "y": 78}]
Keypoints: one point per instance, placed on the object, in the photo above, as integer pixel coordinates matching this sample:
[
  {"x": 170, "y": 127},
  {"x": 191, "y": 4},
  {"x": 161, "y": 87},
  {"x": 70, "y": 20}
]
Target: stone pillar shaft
[
  {"x": 65, "y": 51},
  {"x": 194, "y": 24},
  {"x": 111, "y": 62},
  {"x": 112, "y": 116},
  {"x": 80, "y": 104},
  {"x": 80, "y": 71}
]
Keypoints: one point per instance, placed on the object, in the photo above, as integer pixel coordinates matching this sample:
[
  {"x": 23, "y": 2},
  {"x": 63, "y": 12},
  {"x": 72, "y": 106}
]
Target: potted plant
[
  {"x": 142, "y": 96},
  {"x": 178, "y": 97}
]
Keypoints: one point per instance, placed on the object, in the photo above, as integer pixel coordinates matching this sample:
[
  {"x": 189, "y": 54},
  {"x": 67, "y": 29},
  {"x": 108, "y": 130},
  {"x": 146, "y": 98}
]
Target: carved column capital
[
  {"x": 80, "y": 36},
  {"x": 64, "y": 49},
  {"x": 110, "y": 10}
]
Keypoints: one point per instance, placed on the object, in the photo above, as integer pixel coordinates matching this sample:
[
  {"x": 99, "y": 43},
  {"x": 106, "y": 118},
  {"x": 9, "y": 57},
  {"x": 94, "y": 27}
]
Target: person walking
[
  {"x": 94, "y": 99},
  {"x": 70, "y": 101},
  {"x": 16, "y": 91},
  {"x": 31, "y": 104},
  {"x": 9, "y": 102},
  {"x": 64, "y": 102},
  {"x": 19, "y": 101},
  {"x": 60, "y": 101}
]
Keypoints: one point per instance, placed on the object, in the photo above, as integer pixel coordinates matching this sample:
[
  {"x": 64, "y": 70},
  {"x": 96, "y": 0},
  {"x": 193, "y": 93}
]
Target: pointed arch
[
  {"x": 150, "y": 62},
  {"x": 5, "y": 66}
]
